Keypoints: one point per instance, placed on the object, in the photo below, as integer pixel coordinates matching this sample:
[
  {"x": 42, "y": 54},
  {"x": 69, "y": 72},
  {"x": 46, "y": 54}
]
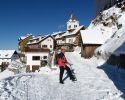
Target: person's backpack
[
  {"x": 61, "y": 55},
  {"x": 58, "y": 56}
]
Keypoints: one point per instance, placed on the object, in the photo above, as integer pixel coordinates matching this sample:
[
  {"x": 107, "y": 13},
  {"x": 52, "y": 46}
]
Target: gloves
[{"x": 70, "y": 64}]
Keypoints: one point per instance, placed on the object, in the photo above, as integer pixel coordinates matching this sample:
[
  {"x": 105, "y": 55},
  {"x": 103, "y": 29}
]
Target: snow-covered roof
[
  {"x": 36, "y": 41},
  {"x": 56, "y": 33},
  {"x": 40, "y": 39},
  {"x": 92, "y": 37},
  {"x": 6, "y": 53},
  {"x": 5, "y": 74},
  {"x": 59, "y": 35},
  {"x": 68, "y": 33},
  {"x": 74, "y": 32},
  {"x": 23, "y": 37}
]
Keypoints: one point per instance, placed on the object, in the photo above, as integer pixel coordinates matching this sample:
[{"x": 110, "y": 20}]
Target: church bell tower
[{"x": 73, "y": 23}]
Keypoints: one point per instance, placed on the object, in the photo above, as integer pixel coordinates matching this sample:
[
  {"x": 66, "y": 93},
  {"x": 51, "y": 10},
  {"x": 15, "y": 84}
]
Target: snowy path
[
  {"x": 92, "y": 84},
  {"x": 93, "y": 80}
]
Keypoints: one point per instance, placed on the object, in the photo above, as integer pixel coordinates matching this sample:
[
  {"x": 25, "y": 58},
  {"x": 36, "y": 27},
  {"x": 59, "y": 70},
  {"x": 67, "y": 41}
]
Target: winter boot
[
  {"x": 61, "y": 82},
  {"x": 74, "y": 79}
]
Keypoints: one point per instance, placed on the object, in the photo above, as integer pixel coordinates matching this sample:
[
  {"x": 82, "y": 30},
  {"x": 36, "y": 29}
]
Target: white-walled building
[
  {"x": 71, "y": 37},
  {"x": 23, "y": 40},
  {"x": 7, "y": 56},
  {"x": 36, "y": 58},
  {"x": 91, "y": 39},
  {"x": 46, "y": 42},
  {"x": 72, "y": 23},
  {"x": 37, "y": 51}
]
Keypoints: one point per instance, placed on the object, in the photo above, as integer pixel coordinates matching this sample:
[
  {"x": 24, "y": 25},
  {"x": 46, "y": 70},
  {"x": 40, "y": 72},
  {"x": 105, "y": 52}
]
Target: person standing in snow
[{"x": 62, "y": 62}]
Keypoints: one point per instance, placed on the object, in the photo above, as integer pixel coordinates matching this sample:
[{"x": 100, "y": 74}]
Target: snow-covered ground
[
  {"x": 93, "y": 83},
  {"x": 15, "y": 67},
  {"x": 6, "y": 74}
]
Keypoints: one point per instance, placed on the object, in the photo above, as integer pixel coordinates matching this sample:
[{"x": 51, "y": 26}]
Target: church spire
[
  {"x": 73, "y": 23},
  {"x": 72, "y": 17}
]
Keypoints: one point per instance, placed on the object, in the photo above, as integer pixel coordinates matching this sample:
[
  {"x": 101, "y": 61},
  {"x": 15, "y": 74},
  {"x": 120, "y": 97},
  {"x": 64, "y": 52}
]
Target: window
[
  {"x": 69, "y": 26},
  {"x": 44, "y": 46},
  {"x": 31, "y": 41},
  {"x": 6, "y": 55},
  {"x": 75, "y": 26},
  {"x": 25, "y": 59},
  {"x": 70, "y": 40},
  {"x": 44, "y": 57},
  {"x": 37, "y": 40},
  {"x": 36, "y": 58},
  {"x": 49, "y": 39},
  {"x": 50, "y": 46}
]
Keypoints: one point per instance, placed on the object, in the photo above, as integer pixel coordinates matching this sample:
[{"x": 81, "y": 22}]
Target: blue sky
[{"x": 20, "y": 17}]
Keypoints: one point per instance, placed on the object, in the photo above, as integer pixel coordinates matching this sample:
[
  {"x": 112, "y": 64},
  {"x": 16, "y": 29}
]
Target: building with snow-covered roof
[
  {"x": 54, "y": 34},
  {"x": 37, "y": 51},
  {"x": 23, "y": 37},
  {"x": 70, "y": 38},
  {"x": 23, "y": 40},
  {"x": 47, "y": 42},
  {"x": 7, "y": 56},
  {"x": 91, "y": 39}
]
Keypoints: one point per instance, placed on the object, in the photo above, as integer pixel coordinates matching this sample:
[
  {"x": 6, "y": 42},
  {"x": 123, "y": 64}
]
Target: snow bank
[
  {"x": 77, "y": 49},
  {"x": 48, "y": 70},
  {"x": 6, "y": 73},
  {"x": 17, "y": 67},
  {"x": 45, "y": 70},
  {"x": 14, "y": 67}
]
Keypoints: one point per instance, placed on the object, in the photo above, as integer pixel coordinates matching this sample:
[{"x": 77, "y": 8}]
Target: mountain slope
[{"x": 111, "y": 24}]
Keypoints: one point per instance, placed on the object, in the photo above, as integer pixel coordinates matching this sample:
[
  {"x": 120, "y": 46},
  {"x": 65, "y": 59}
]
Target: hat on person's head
[
  {"x": 62, "y": 48},
  {"x": 58, "y": 51}
]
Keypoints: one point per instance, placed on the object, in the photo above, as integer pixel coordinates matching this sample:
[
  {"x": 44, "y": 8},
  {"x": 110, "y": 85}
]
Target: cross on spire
[{"x": 72, "y": 17}]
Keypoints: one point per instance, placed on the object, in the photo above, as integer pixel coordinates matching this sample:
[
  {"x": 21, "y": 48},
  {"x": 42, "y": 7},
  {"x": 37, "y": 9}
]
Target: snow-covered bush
[{"x": 17, "y": 67}]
